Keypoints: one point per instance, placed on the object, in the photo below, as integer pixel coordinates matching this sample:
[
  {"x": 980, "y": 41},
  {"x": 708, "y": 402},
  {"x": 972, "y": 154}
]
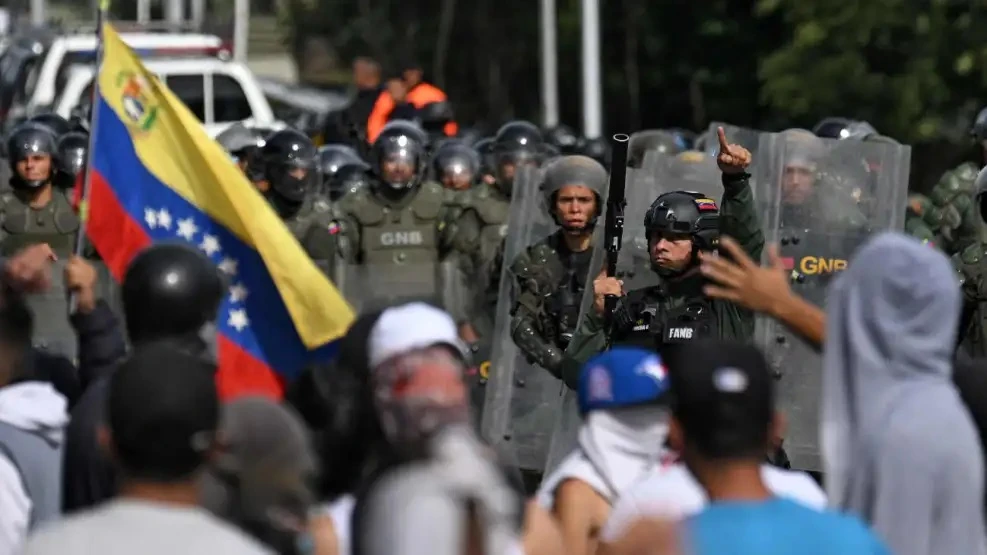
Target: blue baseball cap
[{"x": 622, "y": 377}]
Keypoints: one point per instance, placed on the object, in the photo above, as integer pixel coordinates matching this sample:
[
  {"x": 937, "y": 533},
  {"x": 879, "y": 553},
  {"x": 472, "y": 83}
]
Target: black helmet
[
  {"x": 516, "y": 142},
  {"x": 401, "y": 142},
  {"x": 564, "y": 138},
  {"x": 71, "y": 157},
  {"x": 332, "y": 157},
  {"x": 238, "y": 138},
  {"x": 456, "y": 158},
  {"x": 434, "y": 116},
  {"x": 484, "y": 147},
  {"x": 170, "y": 290},
  {"x": 347, "y": 179},
  {"x": 833, "y": 128},
  {"x": 25, "y": 140},
  {"x": 289, "y": 159},
  {"x": 979, "y": 128},
  {"x": 58, "y": 125},
  {"x": 685, "y": 213},
  {"x": 597, "y": 149},
  {"x": 650, "y": 140}
]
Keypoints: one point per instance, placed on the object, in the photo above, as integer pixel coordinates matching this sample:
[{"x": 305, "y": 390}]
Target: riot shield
[
  {"x": 820, "y": 200},
  {"x": 743, "y": 136},
  {"x": 633, "y": 267},
  {"x": 373, "y": 286},
  {"x": 52, "y": 330},
  {"x": 522, "y": 400}
]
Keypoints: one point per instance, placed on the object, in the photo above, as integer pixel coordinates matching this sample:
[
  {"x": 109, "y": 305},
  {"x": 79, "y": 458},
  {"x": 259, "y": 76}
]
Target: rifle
[{"x": 613, "y": 231}]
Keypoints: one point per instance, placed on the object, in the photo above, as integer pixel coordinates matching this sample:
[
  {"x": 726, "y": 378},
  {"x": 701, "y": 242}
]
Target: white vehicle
[
  {"x": 219, "y": 93},
  {"x": 69, "y": 50}
]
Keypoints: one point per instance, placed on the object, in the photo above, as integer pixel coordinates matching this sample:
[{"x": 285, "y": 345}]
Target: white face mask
[{"x": 622, "y": 444}]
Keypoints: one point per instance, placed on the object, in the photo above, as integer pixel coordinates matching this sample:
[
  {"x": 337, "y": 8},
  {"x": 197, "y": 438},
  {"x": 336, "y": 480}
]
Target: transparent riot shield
[
  {"x": 52, "y": 330},
  {"x": 373, "y": 286},
  {"x": 743, "y": 136},
  {"x": 522, "y": 400},
  {"x": 820, "y": 199},
  {"x": 633, "y": 267}
]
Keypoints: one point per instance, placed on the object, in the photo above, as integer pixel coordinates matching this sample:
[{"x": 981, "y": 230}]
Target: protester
[
  {"x": 32, "y": 420},
  {"x": 262, "y": 479},
  {"x": 723, "y": 419},
  {"x": 170, "y": 292},
  {"x": 624, "y": 406},
  {"x": 899, "y": 448},
  {"x": 162, "y": 416},
  {"x": 673, "y": 492}
]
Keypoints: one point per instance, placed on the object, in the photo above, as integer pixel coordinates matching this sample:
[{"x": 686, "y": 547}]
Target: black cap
[
  {"x": 723, "y": 397},
  {"x": 163, "y": 412}
]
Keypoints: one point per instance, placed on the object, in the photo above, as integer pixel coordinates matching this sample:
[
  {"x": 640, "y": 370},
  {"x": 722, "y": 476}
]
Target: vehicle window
[
  {"x": 229, "y": 101},
  {"x": 70, "y": 59},
  {"x": 190, "y": 89}
]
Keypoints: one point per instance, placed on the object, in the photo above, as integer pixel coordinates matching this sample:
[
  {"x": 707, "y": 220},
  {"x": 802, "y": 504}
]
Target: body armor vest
[
  {"x": 55, "y": 224},
  {"x": 396, "y": 235}
]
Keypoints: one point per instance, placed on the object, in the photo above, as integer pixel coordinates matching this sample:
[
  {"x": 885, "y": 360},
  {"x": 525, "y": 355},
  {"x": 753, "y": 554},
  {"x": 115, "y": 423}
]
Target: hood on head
[
  {"x": 901, "y": 303},
  {"x": 35, "y": 407}
]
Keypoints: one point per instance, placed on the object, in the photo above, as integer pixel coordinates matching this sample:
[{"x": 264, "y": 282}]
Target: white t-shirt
[
  {"x": 15, "y": 508},
  {"x": 126, "y": 527},
  {"x": 341, "y": 513},
  {"x": 672, "y": 492}
]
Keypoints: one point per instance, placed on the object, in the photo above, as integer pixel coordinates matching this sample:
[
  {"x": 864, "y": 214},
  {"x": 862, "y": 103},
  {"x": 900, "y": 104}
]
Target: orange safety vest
[{"x": 420, "y": 95}]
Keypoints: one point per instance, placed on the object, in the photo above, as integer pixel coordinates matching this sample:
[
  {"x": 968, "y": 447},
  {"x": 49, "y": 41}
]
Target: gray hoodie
[{"x": 899, "y": 448}]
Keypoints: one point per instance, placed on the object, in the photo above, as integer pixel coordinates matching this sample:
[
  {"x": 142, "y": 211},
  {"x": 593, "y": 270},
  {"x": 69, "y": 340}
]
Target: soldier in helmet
[
  {"x": 171, "y": 293},
  {"x": 483, "y": 148},
  {"x": 681, "y": 227},
  {"x": 551, "y": 274},
  {"x": 564, "y": 139},
  {"x": 290, "y": 183},
  {"x": 70, "y": 158},
  {"x": 456, "y": 165},
  {"x": 35, "y": 211},
  {"x": 398, "y": 202},
  {"x": 971, "y": 264},
  {"x": 476, "y": 236},
  {"x": 348, "y": 178}
]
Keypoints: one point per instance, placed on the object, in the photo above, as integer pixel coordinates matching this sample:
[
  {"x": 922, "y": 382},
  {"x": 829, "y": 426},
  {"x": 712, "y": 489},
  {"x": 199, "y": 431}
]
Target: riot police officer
[
  {"x": 347, "y": 179},
  {"x": 332, "y": 158},
  {"x": 971, "y": 265},
  {"x": 70, "y": 158},
  {"x": 455, "y": 165},
  {"x": 564, "y": 139},
  {"x": 171, "y": 293},
  {"x": 679, "y": 226},
  {"x": 290, "y": 182},
  {"x": 34, "y": 211},
  {"x": 483, "y": 148},
  {"x": 551, "y": 274},
  {"x": 477, "y": 235},
  {"x": 398, "y": 204}
]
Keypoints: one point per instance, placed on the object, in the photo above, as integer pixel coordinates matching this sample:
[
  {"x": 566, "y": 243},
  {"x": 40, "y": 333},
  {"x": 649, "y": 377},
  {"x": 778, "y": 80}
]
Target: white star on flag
[
  {"x": 238, "y": 319},
  {"x": 210, "y": 244},
  {"x": 151, "y": 217},
  {"x": 238, "y": 292},
  {"x": 164, "y": 219},
  {"x": 187, "y": 229},
  {"x": 228, "y": 266}
]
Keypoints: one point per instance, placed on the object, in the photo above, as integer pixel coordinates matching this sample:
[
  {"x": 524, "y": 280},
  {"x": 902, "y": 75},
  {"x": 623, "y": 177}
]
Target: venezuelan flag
[{"x": 157, "y": 176}]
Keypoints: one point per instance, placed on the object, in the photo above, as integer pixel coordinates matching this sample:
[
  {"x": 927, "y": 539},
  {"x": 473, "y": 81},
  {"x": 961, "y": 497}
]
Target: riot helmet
[
  {"x": 398, "y": 156},
  {"x": 289, "y": 159},
  {"x": 58, "y": 125},
  {"x": 675, "y": 217},
  {"x": 434, "y": 116},
  {"x": 484, "y": 148},
  {"x": 516, "y": 143},
  {"x": 859, "y": 130},
  {"x": 650, "y": 140},
  {"x": 803, "y": 152},
  {"x": 574, "y": 177},
  {"x": 171, "y": 290},
  {"x": 331, "y": 159},
  {"x": 597, "y": 149},
  {"x": 71, "y": 152},
  {"x": 31, "y": 152},
  {"x": 456, "y": 165},
  {"x": 832, "y": 128},
  {"x": 564, "y": 138},
  {"x": 242, "y": 143},
  {"x": 348, "y": 179},
  {"x": 684, "y": 138},
  {"x": 979, "y": 128}
]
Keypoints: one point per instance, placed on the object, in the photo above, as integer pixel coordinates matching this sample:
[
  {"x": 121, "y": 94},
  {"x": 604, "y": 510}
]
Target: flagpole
[{"x": 102, "y": 15}]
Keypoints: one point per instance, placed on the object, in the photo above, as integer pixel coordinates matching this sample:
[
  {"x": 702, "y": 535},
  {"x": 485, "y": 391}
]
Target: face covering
[{"x": 621, "y": 444}]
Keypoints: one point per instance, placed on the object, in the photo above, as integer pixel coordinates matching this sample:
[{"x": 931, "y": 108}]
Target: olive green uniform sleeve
[
  {"x": 589, "y": 340},
  {"x": 462, "y": 237},
  {"x": 537, "y": 273},
  {"x": 740, "y": 220}
]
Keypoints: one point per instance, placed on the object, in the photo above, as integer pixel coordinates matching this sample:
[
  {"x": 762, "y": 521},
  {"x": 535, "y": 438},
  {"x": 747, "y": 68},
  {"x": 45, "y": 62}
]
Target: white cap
[{"x": 411, "y": 326}]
